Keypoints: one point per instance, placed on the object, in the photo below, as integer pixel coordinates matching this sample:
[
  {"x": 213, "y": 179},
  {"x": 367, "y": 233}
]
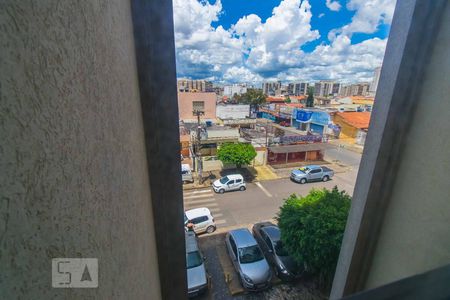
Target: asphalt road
[{"x": 261, "y": 200}]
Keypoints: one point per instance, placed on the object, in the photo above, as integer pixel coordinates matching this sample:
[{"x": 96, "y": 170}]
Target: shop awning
[{"x": 300, "y": 148}]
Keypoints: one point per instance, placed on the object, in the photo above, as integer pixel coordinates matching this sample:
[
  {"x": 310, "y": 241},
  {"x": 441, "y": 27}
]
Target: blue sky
[{"x": 251, "y": 41}]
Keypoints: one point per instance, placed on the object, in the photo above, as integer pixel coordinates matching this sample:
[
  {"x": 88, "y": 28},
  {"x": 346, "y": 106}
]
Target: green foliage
[
  {"x": 310, "y": 99},
  {"x": 287, "y": 99},
  {"x": 312, "y": 228},
  {"x": 236, "y": 153},
  {"x": 253, "y": 97}
]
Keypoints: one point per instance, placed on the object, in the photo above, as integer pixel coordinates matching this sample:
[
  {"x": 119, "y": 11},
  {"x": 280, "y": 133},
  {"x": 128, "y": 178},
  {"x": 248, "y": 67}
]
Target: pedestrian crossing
[{"x": 204, "y": 198}]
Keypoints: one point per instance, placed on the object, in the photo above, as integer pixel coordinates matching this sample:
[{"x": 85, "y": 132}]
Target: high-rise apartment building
[
  {"x": 189, "y": 85},
  {"x": 230, "y": 90},
  {"x": 358, "y": 89},
  {"x": 374, "y": 85},
  {"x": 326, "y": 88},
  {"x": 298, "y": 88},
  {"x": 270, "y": 88}
]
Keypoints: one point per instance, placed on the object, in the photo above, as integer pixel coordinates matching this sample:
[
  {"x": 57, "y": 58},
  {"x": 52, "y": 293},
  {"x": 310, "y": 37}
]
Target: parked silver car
[
  {"x": 196, "y": 273},
  {"x": 311, "y": 173},
  {"x": 248, "y": 259}
]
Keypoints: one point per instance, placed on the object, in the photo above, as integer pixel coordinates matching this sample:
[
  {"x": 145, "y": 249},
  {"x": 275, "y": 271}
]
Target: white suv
[
  {"x": 229, "y": 183},
  {"x": 201, "y": 218}
]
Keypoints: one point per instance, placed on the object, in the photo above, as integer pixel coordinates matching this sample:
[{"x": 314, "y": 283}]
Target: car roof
[
  {"x": 272, "y": 231},
  {"x": 312, "y": 166},
  {"x": 234, "y": 176},
  {"x": 243, "y": 237},
  {"x": 197, "y": 212},
  {"x": 191, "y": 242}
]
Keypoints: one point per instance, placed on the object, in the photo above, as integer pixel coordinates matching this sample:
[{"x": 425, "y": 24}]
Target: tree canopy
[
  {"x": 312, "y": 228},
  {"x": 236, "y": 153},
  {"x": 253, "y": 97},
  {"x": 310, "y": 99}
]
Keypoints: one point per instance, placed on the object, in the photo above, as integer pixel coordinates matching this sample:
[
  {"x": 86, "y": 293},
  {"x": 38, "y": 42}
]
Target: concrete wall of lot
[{"x": 73, "y": 180}]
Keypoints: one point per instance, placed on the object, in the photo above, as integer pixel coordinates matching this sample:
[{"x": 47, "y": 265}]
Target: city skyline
[{"x": 288, "y": 40}]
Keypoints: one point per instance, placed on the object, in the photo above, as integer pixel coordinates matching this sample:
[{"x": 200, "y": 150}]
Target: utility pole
[{"x": 198, "y": 154}]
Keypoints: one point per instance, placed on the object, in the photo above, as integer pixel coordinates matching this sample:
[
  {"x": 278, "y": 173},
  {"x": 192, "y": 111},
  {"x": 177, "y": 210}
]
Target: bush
[{"x": 312, "y": 228}]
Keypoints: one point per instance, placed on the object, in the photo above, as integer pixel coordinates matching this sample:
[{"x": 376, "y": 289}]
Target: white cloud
[
  {"x": 333, "y": 5},
  {"x": 276, "y": 43},
  {"x": 253, "y": 50},
  {"x": 321, "y": 15},
  {"x": 241, "y": 74},
  {"x": 368, "y": 16}
]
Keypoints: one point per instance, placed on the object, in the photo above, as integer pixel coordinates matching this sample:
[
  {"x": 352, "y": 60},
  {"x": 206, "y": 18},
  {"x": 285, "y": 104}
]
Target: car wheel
[
  {"x": 221, "y": 191},
  {"x": 210, "y": 229},
  {"x": 325, "y": 178},
  {"x": 242, "y": 188},
  {"x": 303, "y": 180}
]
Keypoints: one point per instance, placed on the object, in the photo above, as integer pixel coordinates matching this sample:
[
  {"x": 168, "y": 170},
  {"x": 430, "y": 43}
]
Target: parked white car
[
  {"x": 229, "y": 183},
  {"x": 201, "y": 220}
]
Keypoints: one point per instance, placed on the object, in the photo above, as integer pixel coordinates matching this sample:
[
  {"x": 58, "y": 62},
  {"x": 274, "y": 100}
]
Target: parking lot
[{"x": 213, "y": 248}]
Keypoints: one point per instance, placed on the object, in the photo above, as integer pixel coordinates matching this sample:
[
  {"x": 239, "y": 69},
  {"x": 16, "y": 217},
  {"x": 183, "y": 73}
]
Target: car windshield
[
  {"x": 280, "y": 250},
  {"x": 250, "y": 254},
  {"x": 224, "y": 180},
  {"x": 185, "y": 219},
  {"x": 193, "y": 259}
]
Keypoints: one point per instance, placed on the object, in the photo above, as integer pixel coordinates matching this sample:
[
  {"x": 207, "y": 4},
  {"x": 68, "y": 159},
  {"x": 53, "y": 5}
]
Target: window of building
[{"x": 198, "y": 106}]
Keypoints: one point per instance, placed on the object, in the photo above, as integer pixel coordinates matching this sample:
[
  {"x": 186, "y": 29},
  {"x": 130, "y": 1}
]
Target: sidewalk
[
  {"x": 251, "y": 174},
  {"x": 284, "y": 171},
  {"x": 347, "y": 144}
]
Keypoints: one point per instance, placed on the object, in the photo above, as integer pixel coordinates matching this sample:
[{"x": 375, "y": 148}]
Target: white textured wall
[
  {"x": 415, "y": 235},
  {"x": 73, "y": 179}
]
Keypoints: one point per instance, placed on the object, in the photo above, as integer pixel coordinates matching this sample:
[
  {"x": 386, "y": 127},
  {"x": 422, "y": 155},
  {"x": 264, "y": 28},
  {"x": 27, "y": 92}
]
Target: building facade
[{"x": 188, "y": 102}]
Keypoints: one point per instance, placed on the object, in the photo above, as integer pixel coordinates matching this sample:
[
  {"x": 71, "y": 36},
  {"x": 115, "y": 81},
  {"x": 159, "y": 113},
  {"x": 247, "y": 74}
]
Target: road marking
[
  {"x": 218, "y": 222},
  {"x": 264, "y": 189},
  {"x": 199, "y": 196},
  {"x": 214, "y": 209},
  {"x": 193, "y": 205},
  {"x": 217, "y": 215},
  {"x": 200, "y": 201},
  {"x": 197, "y": 192}
]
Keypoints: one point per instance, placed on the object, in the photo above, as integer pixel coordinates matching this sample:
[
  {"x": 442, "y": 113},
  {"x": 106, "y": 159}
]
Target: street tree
[
  {"x": 254, "y": 98},
  {"x": 287, "y": 99},
  {"x": 310, "y": 99},
  {"x": 312, "y": 228},
  {"x": 236, "y": 153}
]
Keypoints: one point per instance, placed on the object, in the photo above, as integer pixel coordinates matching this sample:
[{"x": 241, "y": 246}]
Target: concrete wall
[
  {"x": 415, "y": 234},
  {"x": 185, "y": 108},
  {"x": 233, "y": 111},
  {"x": 73, "y": 180}
]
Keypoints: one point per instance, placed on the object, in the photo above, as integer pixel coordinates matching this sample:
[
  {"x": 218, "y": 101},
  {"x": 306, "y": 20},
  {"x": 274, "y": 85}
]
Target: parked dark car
[{"x": 269, "y": 239}]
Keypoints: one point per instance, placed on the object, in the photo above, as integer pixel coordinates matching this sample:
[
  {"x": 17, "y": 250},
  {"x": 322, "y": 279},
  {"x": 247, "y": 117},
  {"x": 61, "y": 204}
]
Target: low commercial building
[
  {"x": 296, "y": 153},
  {"x": 309, "y": 120},
  {"x": 354, "y": 125}
]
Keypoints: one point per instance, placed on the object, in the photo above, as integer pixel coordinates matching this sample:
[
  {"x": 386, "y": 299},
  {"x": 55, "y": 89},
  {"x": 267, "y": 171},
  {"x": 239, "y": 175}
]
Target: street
[{"x": 261, "y": 200}]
